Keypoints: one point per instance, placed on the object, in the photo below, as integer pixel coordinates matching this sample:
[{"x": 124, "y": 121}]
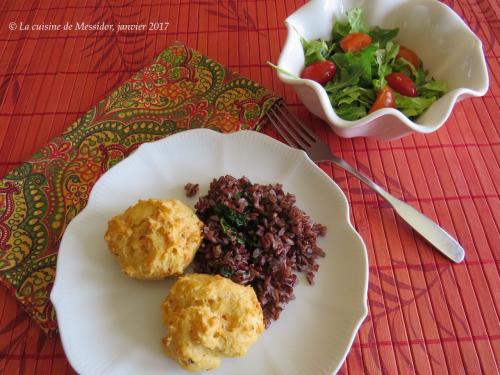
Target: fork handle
[{"x": 427, "y": 228}]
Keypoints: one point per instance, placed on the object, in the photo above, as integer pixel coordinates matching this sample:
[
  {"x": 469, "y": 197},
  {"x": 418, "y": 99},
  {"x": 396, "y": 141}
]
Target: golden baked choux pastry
[
  {"x": 154, "y": 238},
  {"x": 207, "y": 318}
]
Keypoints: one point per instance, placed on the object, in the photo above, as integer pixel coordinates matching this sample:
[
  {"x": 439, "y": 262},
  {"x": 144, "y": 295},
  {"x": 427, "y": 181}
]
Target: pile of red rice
[{"x": 255, "y": 235}]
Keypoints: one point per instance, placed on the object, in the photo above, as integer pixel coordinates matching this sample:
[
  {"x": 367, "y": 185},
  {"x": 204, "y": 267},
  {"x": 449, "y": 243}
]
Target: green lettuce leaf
[
  {"x": 392, "y": 50},
  {"x": 354, "y": 24},
  {"x": 314, "y": 50},
  {"x": 331, "y": 48},
  {"x": 418, "y": 76},
  {"x": 383, "y": 36},
  {"x": 344, "y": 78},
  {"x": 413, "y": 107},
  {"x": 432, "y": 88},
  {"x": 340, "y": 30},
  {"x": 352, "y": 94},
  {"x": 352, "y": 112},
  {"x": 356, "y": 21},
  {"x": 404, "y": 66},
  {"x": 360, "y": 63},
  {"x": 383, "y": 69},
  {"x": 384, "y": 58}
]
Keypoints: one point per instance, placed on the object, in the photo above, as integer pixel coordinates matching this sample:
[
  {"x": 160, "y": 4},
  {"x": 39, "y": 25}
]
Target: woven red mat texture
[{"x": 427, "y": 316}]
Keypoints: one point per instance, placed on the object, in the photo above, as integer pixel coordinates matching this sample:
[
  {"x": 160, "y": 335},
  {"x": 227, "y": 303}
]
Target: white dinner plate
[{"x": 111, "y": 324}]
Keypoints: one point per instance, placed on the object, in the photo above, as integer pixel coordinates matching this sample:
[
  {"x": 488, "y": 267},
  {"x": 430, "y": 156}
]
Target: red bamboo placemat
[{"x": 426, "y": 314}]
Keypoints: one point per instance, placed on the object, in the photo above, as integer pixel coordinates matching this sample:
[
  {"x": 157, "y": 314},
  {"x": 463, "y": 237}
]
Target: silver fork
[{"x": 300, "y": 136}]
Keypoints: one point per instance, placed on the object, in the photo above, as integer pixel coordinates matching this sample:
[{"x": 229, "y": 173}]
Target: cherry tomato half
[
  {"x": 409, "y": 56},
  {"x": 385, "y": 99},
  {"x": 320, "y": 71},
  {"x": 355, "y": 42},
  {"x": 402, "y": 84}
]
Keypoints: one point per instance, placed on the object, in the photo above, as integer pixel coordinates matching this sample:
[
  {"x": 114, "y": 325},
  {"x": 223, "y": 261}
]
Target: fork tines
[{"x": 294, "y": 131}]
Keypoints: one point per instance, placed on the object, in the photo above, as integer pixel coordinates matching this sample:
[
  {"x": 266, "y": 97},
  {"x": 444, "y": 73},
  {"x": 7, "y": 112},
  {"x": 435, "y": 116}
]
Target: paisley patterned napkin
[{"x": 181, "y": 89}]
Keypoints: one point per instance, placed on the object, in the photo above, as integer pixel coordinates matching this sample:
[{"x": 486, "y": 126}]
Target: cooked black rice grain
[
  {"x": 255, "y": 235},
  {"x": 191, "y": 189}
]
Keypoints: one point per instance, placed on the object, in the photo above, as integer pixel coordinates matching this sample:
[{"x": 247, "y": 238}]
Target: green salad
[{"x": 364, "y": 69}]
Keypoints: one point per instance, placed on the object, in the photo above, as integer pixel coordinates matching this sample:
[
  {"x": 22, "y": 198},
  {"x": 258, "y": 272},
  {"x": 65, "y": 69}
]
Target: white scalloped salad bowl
[{"x": 446, "y": 45}]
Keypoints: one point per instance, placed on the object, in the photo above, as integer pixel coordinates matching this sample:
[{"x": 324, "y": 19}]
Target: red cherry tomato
[
  {"x": 355, "y": 42},
  {"x": 409, "y": 56},
  {"x": 385, "y": 99},
  {"x": 320, "y": 71},
  {"x": 402, "y": 84}
]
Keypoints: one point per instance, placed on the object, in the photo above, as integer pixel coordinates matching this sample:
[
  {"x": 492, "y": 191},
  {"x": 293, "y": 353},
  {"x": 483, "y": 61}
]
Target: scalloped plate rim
[{"x": 57, "y": 293}]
